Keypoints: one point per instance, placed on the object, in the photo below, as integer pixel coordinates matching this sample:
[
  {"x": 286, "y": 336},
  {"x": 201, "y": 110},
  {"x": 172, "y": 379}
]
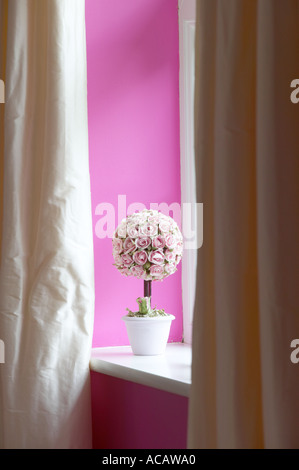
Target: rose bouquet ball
[{"x": 147, "y": 245}]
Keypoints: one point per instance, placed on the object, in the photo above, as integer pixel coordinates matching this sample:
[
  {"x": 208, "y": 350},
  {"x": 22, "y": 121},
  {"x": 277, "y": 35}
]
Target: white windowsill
[{"x": 170, "y": 372}]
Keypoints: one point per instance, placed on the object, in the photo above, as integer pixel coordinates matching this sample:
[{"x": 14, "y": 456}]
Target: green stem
[{"x": 144, "y": 305}]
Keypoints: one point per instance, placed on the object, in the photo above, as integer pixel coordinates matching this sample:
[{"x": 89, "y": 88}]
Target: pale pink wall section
[{"x": 133, "y": 109}]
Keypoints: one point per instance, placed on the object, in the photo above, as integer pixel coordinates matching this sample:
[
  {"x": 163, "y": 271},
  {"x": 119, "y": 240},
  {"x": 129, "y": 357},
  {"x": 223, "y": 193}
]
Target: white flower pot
[{"x": 148, "y": 336}]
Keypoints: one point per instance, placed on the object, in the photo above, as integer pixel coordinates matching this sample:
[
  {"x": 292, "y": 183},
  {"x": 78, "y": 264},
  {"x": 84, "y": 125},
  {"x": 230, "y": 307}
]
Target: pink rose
[
  {"x": 140, "y": 257},
  {"x": 164, "y": 226},
  {"x": 143, "y": 242},
  {"x": 122, "y": 230},
  {"x": 117, "y": 245},
  {"x": 127, "y": 260},
  {"x": 154, "y": 219},
  {"x": 170, "y": 256},
  {"x": 157, "y": 271},
  {"x": 118, "y": 259},
  {"x": 129, "y": 245},
  {"x": 179, "y": 248},
  {"x": 125, "y": 272},
  {"x": 170, "y": 241},
  {"x": 149, "y": 230},
  {"x": 133, "y": 231},
  {"x": 170, "y": 268},
  {"x": 158, "y": 242},
  {"x": 137, "y": 271},
  {"x": 156, "y": 257}
]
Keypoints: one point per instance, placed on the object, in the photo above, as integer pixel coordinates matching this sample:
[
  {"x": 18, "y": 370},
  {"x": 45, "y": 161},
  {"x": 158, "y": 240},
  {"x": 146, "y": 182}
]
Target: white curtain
[{"x": 46, "y": 276}]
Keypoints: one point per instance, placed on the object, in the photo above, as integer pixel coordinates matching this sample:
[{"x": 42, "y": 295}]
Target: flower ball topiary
[{"x": 147, "y": 245}]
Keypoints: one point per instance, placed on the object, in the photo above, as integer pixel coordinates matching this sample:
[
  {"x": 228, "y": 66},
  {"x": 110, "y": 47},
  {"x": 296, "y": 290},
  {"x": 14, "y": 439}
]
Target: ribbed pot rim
[{"x": 140, "y": 319}]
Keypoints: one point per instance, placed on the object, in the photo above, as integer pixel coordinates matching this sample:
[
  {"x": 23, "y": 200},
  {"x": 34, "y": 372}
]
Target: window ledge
[{"x": 170, "y": 372}]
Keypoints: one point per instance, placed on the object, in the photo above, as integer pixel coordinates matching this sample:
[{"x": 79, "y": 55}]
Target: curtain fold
[
  {"x": 244, "y": 386},
  {"x": 3, "y": 36},
  {"x": 46, "y": 275}
]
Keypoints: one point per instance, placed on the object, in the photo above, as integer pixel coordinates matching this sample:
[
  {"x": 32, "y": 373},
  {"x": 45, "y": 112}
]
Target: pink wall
[
  {"x": 133, "y": 105},
  {"x": 126, "y": 415}
]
